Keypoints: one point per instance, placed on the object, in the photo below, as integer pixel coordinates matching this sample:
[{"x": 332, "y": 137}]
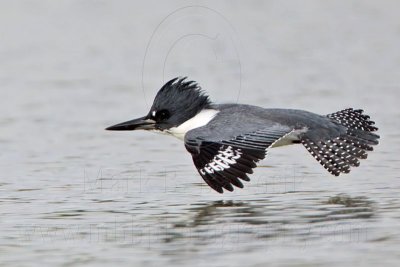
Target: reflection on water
[{"x": 265, "y": 214}]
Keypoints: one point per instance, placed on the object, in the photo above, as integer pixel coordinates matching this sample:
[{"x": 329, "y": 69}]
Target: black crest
[{"x": 182, "y": 99}]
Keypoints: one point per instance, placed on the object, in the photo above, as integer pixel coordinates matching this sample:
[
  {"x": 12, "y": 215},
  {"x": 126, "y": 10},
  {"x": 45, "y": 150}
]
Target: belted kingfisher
[{"x": 227, "y": 140}]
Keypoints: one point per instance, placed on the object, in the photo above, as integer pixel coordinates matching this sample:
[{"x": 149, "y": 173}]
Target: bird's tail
[{"x": 337, "y": 155}]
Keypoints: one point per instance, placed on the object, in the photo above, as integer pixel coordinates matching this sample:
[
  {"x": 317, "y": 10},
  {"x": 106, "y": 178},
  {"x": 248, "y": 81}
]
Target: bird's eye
[{"x": 161, "y": 115}]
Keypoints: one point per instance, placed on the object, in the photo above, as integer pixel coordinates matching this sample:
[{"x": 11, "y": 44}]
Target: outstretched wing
[{"x": 223, "y": 163}]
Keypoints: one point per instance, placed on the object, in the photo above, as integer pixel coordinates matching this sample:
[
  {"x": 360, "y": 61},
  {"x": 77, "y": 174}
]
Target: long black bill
[{"x": 136, "y": 124}]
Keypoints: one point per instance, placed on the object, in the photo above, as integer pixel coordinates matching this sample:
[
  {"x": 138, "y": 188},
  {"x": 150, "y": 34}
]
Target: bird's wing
[{"x": 223, "y": 161}]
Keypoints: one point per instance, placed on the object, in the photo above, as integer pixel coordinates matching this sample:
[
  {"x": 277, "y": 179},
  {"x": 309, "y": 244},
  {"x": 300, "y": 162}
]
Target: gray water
[{"x": 74, "y": 194}]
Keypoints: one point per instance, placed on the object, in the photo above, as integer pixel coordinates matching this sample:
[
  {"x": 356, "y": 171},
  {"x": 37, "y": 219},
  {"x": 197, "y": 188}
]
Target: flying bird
[{"x": 226, "y": 141}]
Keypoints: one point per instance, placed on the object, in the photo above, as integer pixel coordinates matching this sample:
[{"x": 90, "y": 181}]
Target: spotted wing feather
[
  {"x": 354, "y": 119},
  {"x": 228, "y": 162},
  {"x": 339, "y": 154}
]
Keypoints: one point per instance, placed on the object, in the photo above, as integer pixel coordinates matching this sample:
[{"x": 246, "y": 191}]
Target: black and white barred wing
[
  {"x": 339, "y": 154},
  {"x": 226, "y": 162}
]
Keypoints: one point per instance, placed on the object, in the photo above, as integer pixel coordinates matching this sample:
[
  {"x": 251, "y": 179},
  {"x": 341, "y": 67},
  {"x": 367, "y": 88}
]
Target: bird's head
[{"x": 176, "y": 102}]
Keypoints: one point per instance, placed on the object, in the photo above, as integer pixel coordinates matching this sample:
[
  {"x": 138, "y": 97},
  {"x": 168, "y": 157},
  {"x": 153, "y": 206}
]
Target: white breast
[{"x": 201, "y": 119}]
